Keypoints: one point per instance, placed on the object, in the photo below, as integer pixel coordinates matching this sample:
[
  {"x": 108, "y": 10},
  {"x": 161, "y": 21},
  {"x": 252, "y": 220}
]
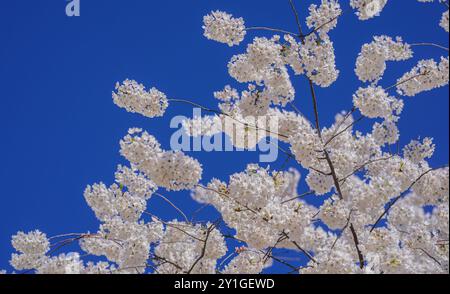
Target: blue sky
[{"x": 60, "y": 129}]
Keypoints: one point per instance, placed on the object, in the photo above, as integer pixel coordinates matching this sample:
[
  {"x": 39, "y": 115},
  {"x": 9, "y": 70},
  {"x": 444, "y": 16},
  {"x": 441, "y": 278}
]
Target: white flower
[
  {"x": 247, "y": 262},
  {"x": 425, "y": 76},
  {"x": 324, "y": 17},
  {"x": 386, "y": 132},
  {"x": 136, "y": 182},
  {"x": 317, "y": 56},
  {"x": 181, "y": 245},
  {"x": 134, "y": 98},
  {"x": 371, "y": 62},
  {"x": 32, "y": 248},
  {"x": 171, "y": 170},
  {"x": 319, "y": 183},
  {"x": 374, "y": 102},
  {"x": 111, "y": 202},
  {"x": 350, "y": 170},
  {"x": 34, "y": 242},
  {"x": 224, "y": 28},
  {"x": 367, "y": 9},
  {"x": 444, "y": 21},
  {"x": 227, "y": 94},
  {"x": 416, "y": 151}
]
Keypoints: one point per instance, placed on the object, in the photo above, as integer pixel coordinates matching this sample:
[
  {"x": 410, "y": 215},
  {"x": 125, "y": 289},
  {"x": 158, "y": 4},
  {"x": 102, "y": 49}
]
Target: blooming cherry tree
[{"x": 373, "y": 217}]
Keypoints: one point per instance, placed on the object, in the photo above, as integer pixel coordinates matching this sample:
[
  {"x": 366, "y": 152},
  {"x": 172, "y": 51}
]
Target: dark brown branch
[
  {"x": 298, "y": 197},
  {"x": 300, "y": 248},
  {"x": 270, "y": 250},
  {"x": 202, "y": 254},
  {"x": 319, "y": 132},
  {"x": 297, "y": 18},
  {"x": 343, "y": 131},
  {"x": 358, "y": 250}
]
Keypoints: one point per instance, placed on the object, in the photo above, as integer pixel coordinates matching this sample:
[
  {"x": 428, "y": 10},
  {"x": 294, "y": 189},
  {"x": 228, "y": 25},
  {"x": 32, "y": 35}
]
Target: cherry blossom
[{"x": 384, "y": 208}]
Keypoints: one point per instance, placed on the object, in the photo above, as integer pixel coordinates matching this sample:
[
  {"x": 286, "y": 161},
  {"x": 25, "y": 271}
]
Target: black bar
[{"x": 357, "y": 283}]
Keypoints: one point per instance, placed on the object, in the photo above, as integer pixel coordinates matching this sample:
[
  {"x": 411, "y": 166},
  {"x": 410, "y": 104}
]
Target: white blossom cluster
[
  {"x": 367, "y": 9},
  {"x": 32, "y": 248},
  {"x": 247, "y": 262},
  {"x": 223, "y": 27},
  {"x": 374, "y": 102},
  {"x": 253, "y": 203},
  {"x": 324, "y": 17},
  {"x": 444, "y": 21},
  {"x": 425, "y": 76},
  {"x": 314, "y": 54},
  {"x": 263, "y": 65},
  {"x": 417, "y": 151},
  {"x": 134, "y": 98},
  {"x": 385, "y": 133},
  {"x": 371, "y": 62},
  {"x": 167, "y": 169},
  {"x": 383, "y": 211},
  {"x": 319, "y": 61},
  {"x": 183, "y": 244}
]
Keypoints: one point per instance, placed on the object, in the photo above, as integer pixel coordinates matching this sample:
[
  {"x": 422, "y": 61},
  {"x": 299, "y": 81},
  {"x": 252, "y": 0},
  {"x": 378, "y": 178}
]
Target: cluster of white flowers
[
  {"x": 203, "y": 126},
  {"x": 32, "y": 248},
  {"x": 171, "y": 170},
  {"x": 134, "y": 98},
  {"x": 319, "y": 61},
  {"x": 305, "y": 145},
  {"x": 433, "y": 187},
  {"x": 262, "y": 64},
  {"x": 356, "y": 174},
  {"x": 385, "y": 133},
  {"x": 253, "y": 203},
  {"x": 314, "y": 55},
  {"x": 417, "y": 151},
  {"x": 371, "y": 62},
  {"x": 445, "y": 21},
  {"x": 367, "y": 9},
  {"x": 223, "y": 27},
  {"x": 127, "y": 244},
  {"x": 188, "y": 248},
  {"x": 227, "y": 94},
  {"x": 425, "y": 76},
  {"x": 247, "y": 262},
  {"x": 374, "y": 102},
  {"x": 324, "y": 17}
]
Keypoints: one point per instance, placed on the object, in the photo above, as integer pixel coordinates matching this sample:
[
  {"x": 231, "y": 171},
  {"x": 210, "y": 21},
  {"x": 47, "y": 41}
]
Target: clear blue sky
[{"x": 60, "y": 129}]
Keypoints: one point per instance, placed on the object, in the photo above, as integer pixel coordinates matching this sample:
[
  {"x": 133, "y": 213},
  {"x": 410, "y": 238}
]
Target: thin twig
[
  {"x": 343, "y": 131},
  {"x": 407, "y": 80},
  {"x": 297, "y": 19},
  {"x": 173, "y": 205},
  {"x": 271, "y": 30},
  {"x": 300, "y": 248},
  {"x": 432, "y": 45},
  {"x": 298, "y": 197}
]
